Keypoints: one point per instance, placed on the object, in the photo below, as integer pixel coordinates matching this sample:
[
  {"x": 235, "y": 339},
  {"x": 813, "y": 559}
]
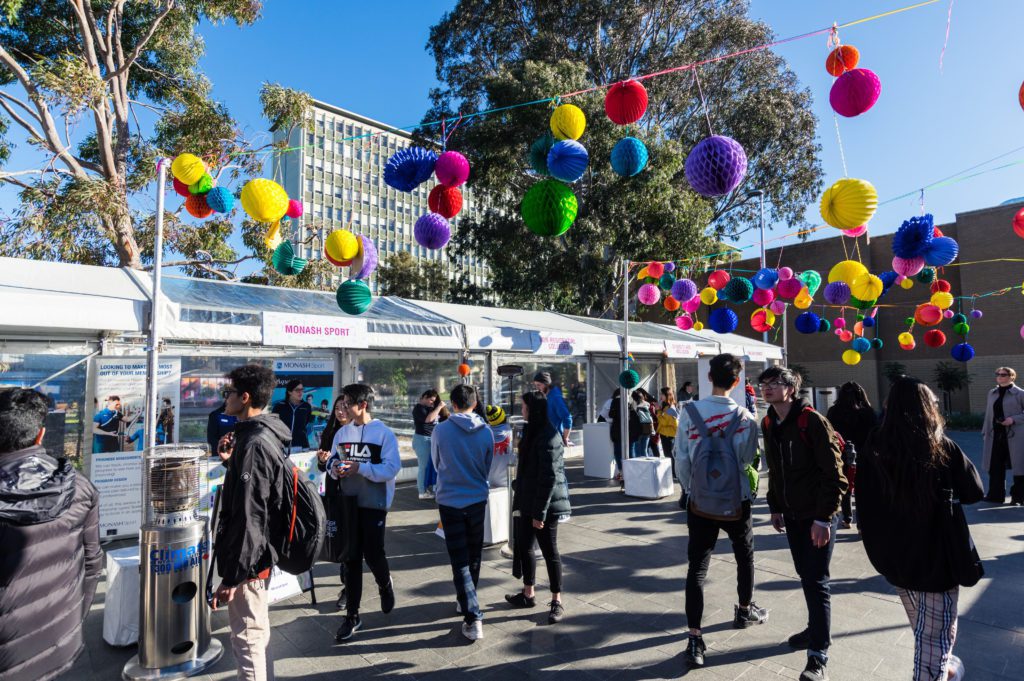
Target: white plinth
[
  {"x": 598, "y": 455},
  {"x": 647, "y": 477},
  {"x": 497, "y": 517},
  {"x": 121, "y": 603}
]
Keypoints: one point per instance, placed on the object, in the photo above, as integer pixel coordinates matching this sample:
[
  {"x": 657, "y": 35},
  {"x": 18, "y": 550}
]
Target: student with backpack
[
  {"x": 806, "y": 486},
  {"x": 365, "y": 459},
  {"x": 716, "y": 441}
]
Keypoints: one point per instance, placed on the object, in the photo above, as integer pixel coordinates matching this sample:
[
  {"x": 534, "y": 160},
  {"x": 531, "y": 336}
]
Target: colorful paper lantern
[
  {"x": 877, "y": 343},
  {"x": 666, "y": 281},
  {"x": 934, "y": 338},
  {"x": 846, "y": 271},
  {"x": 670, "y": 266},
  {"x": 693, "y": 304},
  {"x": 907, "y": 284},
  {"x": 629, "y": 156},
  {"x": 861, "y": 345},
  {"x": 913, "y": 237},
  {"x": 977, "y": 314},
  {"x": 648, "y": 294},
  {"x": 549, "y": 208},
  {"x": 868, "y": 322},
  {"x": 763, "y": 297},
  {"x": 948, "y": 314},
  {"x": 723, "y": 320},
  {"x": 354, "y": 297},
  {"x": 625, "y": 102},
  {"x": 539, "y": 153},
  {"x": 684, "y": 323},
  {"x": 942, "y": 300},
  {"x": 202, "y": 185},
  {"x": 683, "y": 290},
  {"x": 851, "y": 357},
  {"x": 926, "y": 276},
  {"x": 907, "y": 267},
  {"x": 962, "y": 352},
  {"x": 785, "y": 273},
  {"x": 568, "y": 122},
  {"x": 432, "y": 231},
  {"x": 364, "y": 264},
  {"x": 849, "y": 203},
  {"x": 866, "y": 287},
  {"x": 941, "y": 286},
  {"x": 451, "y": 169},
  {"x": 567, "y": 160},
  {"x": 445, "y": 201},
  {"x": 629, "y": 379},
  {"x": 927, "y": 314},
  {"x": 766, "y": 277},
  {"x": 854, "y": 92},
  {"x": 180, "y": 188},
  {"x": 718, "y": 279},
  {"x": 464, "y": 370},
  {"x": 197, "y": 207},
  {"x": 961, "y": 328},
  {"x": 1018, "y": 223},
  {"x": 789, "y": 288},
  {"x": 777, "y": 306},
  {"x": 698, "y": 326},
  {"x": 341, "y": 245},
  {"x": 837, "y": 293},
  {"x": 642, "y": 274},
  {"x": 671, "y": 304},
  {"x": 803, "y": 299},
  {"x": 409, "y": 167},
  {"x": 187, "y": 168},
  {"x": 716, "y": 166},
  {"x": 737, "y": 290},
  {"x": 264, "y": 200},
  {"x": 286, "y": 262},
  {"x": 861, "y": 304},
  {"x": 807, "y": 322},
  {"x": 295, "y": 209},
  {"x": 709, "y": 296},
  {"x": 842, "y": 59},
  {"x": 273, "y": 237},
  {"x": 905, "y": 338},
  {"x": 655, "y": 269},
  {"x": 824, "y": 326},
  {"x": 762, "y": 320},
  {"x": 942, "y": 251},
  {"x": 856, "y": 231},
  {"x": 220, "y": 200},
  {"x": 812, "y": 280},
  {"x": 1022, "y": 331}
]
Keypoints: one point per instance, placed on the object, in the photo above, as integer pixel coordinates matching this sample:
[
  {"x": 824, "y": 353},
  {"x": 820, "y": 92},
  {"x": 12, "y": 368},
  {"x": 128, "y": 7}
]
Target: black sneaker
[
  {"x": 342, "y": 601},
  {"x": 683, "y": 501},
  {"x": 815, "y": 670},
  {"x": 350, "y": 626},
  {"x": 387, "y": 597},
  {"x": 557, "y": 612},
  {"x": 520, "y": 601},
  {"x": 695, "y": 651},
  {"x": 801, "y": 641},
  {"x": 749, "y": 616}
]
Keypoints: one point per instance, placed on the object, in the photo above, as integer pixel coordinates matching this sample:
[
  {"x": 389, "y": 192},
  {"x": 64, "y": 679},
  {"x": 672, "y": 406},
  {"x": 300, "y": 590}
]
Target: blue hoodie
[
  {"x": 461, "y": 448},
  {"x": 558, "y": 411}
]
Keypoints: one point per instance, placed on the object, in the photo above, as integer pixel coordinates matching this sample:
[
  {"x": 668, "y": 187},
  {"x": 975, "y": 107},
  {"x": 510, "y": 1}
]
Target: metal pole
[
  {"x": 153, "y": 363},
  {"x": 623, "y": 392},
  {"x": 760, "y": 200}
]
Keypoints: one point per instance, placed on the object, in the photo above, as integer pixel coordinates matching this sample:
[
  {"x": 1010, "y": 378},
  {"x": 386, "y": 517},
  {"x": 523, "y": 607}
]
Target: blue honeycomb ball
[
  {"x": 220, "y": 199},
  {"x": 567, "y": 160},
  {"x": 629, "y": 156}
]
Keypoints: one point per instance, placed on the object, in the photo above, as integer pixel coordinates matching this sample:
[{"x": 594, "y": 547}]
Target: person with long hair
[
  {"x": 907, "y": 464},
  {"x": 668, "y": 421},
  {"x": 645, "y": 421},
  {"x": 853, "y": 418},
  {"x": 427, "y": 413},
  {"x": 540, "y": 502},
  {"x": 332, "y": 487}
]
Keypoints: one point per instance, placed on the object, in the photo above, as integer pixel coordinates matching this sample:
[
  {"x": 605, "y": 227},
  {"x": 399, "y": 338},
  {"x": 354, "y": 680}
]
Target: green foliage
[
  {"x": 402, "y": 275},
  {"x": 495, "y": 53},
  {"x": 803, "y": 372},
  {"x": 894, "y": 370},
  {"x": 950, "y": 377},
  {"x": 970, "y": 421},
  {"x": 284, "y": 106}
]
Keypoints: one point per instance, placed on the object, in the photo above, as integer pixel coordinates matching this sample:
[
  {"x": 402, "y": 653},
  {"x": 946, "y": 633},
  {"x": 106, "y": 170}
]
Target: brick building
[{"x": 983, "y": 235}]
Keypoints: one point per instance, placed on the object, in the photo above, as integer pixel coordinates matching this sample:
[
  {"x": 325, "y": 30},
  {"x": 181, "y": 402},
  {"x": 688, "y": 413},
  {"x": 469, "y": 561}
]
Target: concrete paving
[{"x": 625, "y": 564}]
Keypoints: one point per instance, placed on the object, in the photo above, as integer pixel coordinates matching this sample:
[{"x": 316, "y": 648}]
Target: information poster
[
  {"x": 118, "y": 432},
  {"x": 317, "y": 376}
]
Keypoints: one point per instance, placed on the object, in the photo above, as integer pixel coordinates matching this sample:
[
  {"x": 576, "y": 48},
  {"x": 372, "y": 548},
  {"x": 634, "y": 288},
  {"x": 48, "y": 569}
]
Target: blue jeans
[
  {"x": 421, "y": 445},
  {"x": 640, "y": 447},
  {"x": 812, "y": 564},
  {"x": 464, "y": 538}
]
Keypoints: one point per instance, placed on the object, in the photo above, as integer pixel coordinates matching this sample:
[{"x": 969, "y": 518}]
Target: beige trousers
[{"x": 249, "y": 616}]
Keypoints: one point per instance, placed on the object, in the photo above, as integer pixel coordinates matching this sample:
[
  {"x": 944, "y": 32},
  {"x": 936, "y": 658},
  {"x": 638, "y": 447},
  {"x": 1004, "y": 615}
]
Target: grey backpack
[{"x": 716, "y": 483}]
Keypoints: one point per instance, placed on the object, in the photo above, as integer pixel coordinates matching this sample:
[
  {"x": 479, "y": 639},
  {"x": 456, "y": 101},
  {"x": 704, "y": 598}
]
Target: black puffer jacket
[
  {"x": 50, "y": 562},
  {"x": 541, "y": 491}
]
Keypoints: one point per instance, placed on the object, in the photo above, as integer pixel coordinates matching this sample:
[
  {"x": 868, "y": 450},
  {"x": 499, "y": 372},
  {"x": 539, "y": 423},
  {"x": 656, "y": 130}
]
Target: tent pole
[
  {"x": 623, "y": 392},
  {"x": 153, "y": 363}
]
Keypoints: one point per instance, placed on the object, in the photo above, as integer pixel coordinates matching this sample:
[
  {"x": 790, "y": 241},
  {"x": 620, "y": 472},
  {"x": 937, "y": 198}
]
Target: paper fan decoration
[
  {"x": 539, "y": 153},
  {"x": 913, "y": 238},
  {"x": 365, "y": 263},
  {"x": 941, "y": 251},
  {"x": 354, "y": 297},
  {"x": 285, "y": 261},
  {"x": 408, "y": 168}
]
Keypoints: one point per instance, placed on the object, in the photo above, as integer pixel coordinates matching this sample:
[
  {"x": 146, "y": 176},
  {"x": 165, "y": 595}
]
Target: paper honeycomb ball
[
  {"x": 464, "y": 369},
  {"x": 716, "y": 166},
  {"x": 906, "y": 338},
  {"x": 789, "y": 288},
  {"x": 942, "y": 300},
  {"x": 861, "y": 345},
  {"x": 364, "y": 264},
  {"x": 837, "y": 293},
  {"x": 354, "y": 297},
  {"x": 685, "y": 323},
  {"x": 709, "y": 296},
  {"x": 432, "y": 231},
  {"x": 548, "y": 208},
  {"x": 671, "y": 304},
  {"x": 629, "y": 156},
  {"x": 655, "y": 269},
  {"x": 855, "y": 92},
  {"x": 962, "y": 352},
  {"x": 942, "y": 251},
  {"x": 803, "y": 300},
  {"x": 856, "y": 231},
  {"x": 777, "y": 306},
  {"x": 625, "y": 102},
  {"x": 811, "y": 279},
  {"x": 846, "y": 271},
  {"x": 926, "y": 276},
  {"x": 849, "y": 203},
  {"x": 202, "y": 185},
  {"x": 907, "y": 284},
  {"x": 762, "y": 320},
  {"x": 408, "y": 168},
  {"x": 539, "y": 153},
  {"x": 785, "y": 273},
  {"x": 934, "y": 338},
  {"x": 683, "y": 290},
  {"x": 451, "y": 169},
  {"x": 285, "y": 261},
  {"x": 851, "y": 357},
  {"x": 861, "y": 304},
  {"x": 699, "y": 326},
  {"x": 649, "y": 294},
  {"x": 763, "y": 297},
  {"x": 642, "y": 274},
  {"x": 187, "y": 168},
  {"x": 723, "y": 320},
  {"x": 807, "y": 322},
  {"x": 180, "y": 188},
  {"x": 445, "y": 201},
  {"x": 869, "y": 322},
  {"x": 666, "y": 281},
  {"x": 341, "y": 245},
  {"x": 1018, "y": 223},
  {"x": 670, "y": 266},
  {"x": 693, "y": 304},
  {"x": 738, "y": 290},
  {"x": 877, "y": 343},
  {"x": 866, "y": 286},
  {"x": 948, "y": 314},
  {"x": 766, "y": 278},
  {"x": 977, "y": 314},
  {"x": 842, "y": 59},
  {"x": 913, "y": 237},
  {"x": 845, "y": 336},
  {"x": 264, "y": 200},
  {"x": 907, "y": 267},
  {"x": 961, "y": 328},
  {"x": 567, "y": 160},
  {"x": 941, "y": 285},
  {"x": 295, "y": 209},
  {"x": 220, "y": 200},
  {"x": 629, "y": 379},
  {"x": 197, "y": 207},
  {"x": 718, "y": 279},
  {"x": 927, "y": 314},
  {"x": 568, "y": 122},
  {"x": 824, "y": 326}
]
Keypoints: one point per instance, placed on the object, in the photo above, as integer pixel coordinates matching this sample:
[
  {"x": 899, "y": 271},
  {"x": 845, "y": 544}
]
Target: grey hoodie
[{"x": 462, "y": 448}]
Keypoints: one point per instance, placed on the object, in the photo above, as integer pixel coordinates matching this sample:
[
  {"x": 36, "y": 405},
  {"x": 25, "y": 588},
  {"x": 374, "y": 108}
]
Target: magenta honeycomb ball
[
  {"x": 789, "y": 288},
  {"x": 855, "y": 92},
  {"x": 451, "y": 169},
  {"x": 648, "y": 294}
]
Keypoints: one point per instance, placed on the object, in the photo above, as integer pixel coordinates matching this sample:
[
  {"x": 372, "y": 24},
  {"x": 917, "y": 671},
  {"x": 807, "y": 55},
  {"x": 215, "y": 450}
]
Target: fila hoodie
[{"x": 375, "y": 448}]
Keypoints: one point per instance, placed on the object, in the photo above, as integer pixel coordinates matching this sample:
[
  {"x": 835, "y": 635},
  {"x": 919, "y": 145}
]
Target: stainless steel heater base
[{"x": 134, "y": 672}]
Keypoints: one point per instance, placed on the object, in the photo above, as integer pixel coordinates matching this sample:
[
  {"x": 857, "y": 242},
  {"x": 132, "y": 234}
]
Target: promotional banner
[
  {"x": 317, "y": 377},
  {"x": 313, "y": 331},
  {"x": 118, "y": 430}
]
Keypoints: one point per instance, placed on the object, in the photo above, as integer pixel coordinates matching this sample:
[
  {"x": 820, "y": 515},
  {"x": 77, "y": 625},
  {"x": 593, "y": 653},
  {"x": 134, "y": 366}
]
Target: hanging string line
[
  {"x": 703, "y": 103},
  {"x": 945, "y": 42}
]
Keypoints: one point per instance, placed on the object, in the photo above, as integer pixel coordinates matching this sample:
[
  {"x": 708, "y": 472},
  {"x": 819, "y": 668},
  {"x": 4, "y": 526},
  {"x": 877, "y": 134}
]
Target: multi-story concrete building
[{"x": 337, "y": 167}]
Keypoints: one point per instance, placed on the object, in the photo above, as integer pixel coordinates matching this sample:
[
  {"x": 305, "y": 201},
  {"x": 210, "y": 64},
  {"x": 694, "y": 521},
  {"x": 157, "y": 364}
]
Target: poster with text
[
  {"x": 317, "y": 377},
  {"x": 118, "y": 434}
]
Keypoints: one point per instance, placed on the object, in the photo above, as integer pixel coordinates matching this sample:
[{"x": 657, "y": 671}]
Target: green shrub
[{"x": 965, "y": 421}]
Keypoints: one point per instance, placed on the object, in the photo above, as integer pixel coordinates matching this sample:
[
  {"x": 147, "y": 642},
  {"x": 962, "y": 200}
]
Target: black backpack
[{"x": 298, "y": 541}]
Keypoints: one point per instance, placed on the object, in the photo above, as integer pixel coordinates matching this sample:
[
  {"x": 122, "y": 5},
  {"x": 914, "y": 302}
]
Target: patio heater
[{"x": 174, "y": 551}]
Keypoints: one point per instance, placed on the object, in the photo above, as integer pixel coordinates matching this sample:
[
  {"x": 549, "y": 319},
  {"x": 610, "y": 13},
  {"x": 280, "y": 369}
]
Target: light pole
[{"x": 760, "y": 200}]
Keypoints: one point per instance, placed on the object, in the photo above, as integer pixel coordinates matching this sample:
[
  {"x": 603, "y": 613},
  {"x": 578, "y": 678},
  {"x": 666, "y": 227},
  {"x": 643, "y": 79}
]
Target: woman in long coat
[{"x": 1003, "y": 432}]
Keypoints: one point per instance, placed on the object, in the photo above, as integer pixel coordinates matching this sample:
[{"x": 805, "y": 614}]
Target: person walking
[
  {"x": 295, "y": 412},
  {"x": 750, "y": 395},
  {"x": 668, "y": 422},
  {"x": 645, "y": 420},
  {"x": 256, "y": 471},
  {"x": 462, "y": 449},
  {"x": 539, "y": 503},
  {"x": 854, "y": 419},
  {"x": 165, "y": 422},
  {"x": 1003, "y": 433},
  {"x": 51, "y": 559},
  {"x": 558, "y": 412},
  {"x": 427, "y": 413},
  {"x": 332, "y": 488},
  {"x": 902, "y": 473},
  {"x": 707, "y": 483},
  {"x": 806, "y": 486},
  {"x": 364, "y": 457},
  {"x": 615, "y": 432}
]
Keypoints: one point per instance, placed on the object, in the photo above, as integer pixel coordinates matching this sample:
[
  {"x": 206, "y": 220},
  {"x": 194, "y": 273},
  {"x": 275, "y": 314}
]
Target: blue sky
[{"x": 370, "y": 58}]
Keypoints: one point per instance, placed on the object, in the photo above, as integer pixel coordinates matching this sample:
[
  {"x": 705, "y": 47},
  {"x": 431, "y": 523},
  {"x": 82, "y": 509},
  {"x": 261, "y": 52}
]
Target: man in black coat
[{"x": 51, "y": 558}]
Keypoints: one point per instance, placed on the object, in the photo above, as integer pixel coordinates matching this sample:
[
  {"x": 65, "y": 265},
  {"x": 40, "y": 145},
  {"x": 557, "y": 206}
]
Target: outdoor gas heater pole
[{"x": 153, "y": 363}]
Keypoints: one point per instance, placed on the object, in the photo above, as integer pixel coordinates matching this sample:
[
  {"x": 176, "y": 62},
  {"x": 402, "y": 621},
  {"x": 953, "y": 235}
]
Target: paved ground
[{"x": 625, "y": 566}]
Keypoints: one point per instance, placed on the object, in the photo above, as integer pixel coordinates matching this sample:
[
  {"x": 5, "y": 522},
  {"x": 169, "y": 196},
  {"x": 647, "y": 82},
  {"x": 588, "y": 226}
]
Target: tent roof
[{"x": 651, "y": 338}]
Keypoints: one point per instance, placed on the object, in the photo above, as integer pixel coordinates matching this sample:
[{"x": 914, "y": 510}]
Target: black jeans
[
  {"x": 370, "y": 544},
  {"x": 998, "y": 465},
  {"x": 812, "y": 564},
  {"x": 464, "y": 538},
  {"x": 548, "y": 541},
  {"x": 666, "y": 446},
  {"x": 702, "y": 537}
]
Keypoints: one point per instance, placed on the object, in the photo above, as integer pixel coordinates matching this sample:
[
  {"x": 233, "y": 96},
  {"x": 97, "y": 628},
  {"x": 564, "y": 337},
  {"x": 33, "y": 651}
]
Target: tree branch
[
  {"x": 21, "y": 121},
  {"x": 168, "y": 5}
]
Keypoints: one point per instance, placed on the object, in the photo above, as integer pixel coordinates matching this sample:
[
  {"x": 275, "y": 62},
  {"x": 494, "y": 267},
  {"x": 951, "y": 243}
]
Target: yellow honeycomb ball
[
  {"x": 849, "y": 203},
  {"x": 803, "y": 299},
  {"x": 264, "y": 200},
  {"x": 698, "y": 326},
  {"x": 907, "y": 284},
  {"x": 851, "y": 357},
  {"x": 642, "y": 274},
  {"x": 568, "y": 122},
  {"x": 866, "y": 286},
  {"x": 846, "y": 271},
  {"x": 342, "y": 245},
  {"x": 273, "y": 237},
  {"x": 942, "y": 300},
  {"x": 905, "y": 338},
  {"x": 709, "y": 296},
  {"x": 188, "y": 168}
]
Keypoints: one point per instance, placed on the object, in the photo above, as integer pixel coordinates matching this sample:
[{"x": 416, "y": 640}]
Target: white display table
[
  {"x": 497, "y": 518},
  {"x": 121, "y": 603},
  {"x": 647, "y": 477},
  {"x": 598, "y": 455}
]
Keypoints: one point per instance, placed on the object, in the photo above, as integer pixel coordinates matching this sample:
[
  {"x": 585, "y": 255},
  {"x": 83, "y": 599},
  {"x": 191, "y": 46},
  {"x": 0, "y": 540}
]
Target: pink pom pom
[
  {"x": 908, "y": 267},
  {"x": 785, "y": 273},
  {"x": 684, "y": 323},
  {"x": 294, "y": 208},
  {"x": 845, "y": 336},
  {"x": 838, "y": 332},
  {"x": 648, "y": 294},
  {"x": 692, "y": 305},
  {"x": 839, "y": 323},
  {"x": 763, "y": 296},
  {"x": 948, "y": 314},
  {"x": 777, "y": 306},
  {"x": 789, "y": 288},
  {"x": 856, "y": 231},
  {"x": 452, "y": 169}
]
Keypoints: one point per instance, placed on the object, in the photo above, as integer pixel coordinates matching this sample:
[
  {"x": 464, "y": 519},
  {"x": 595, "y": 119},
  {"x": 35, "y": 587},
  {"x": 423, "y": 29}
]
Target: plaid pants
[{"x": 933, "y": 618}]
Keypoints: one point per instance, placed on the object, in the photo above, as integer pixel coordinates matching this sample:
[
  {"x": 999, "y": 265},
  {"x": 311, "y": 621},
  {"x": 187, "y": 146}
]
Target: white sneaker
[
  {"x": 473, "y": 631},
  {"x": 956, "y": 666},
  {"x": 426, "y": 495}
]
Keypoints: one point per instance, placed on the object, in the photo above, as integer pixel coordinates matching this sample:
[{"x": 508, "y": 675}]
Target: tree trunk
[{"x": 122, "y": 235}]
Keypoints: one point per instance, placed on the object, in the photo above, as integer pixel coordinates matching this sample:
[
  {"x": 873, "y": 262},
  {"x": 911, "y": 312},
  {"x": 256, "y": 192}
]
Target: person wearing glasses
[
  {"x": 806, "y": 486},
  {"x": 364, "y": 457},
  {"x": 296, "y": 413},
  {"x": 1004, "y": 438}
]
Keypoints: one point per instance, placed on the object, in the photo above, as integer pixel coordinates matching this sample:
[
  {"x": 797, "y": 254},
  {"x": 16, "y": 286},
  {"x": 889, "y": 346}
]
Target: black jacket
[
  {"x": 251, "y": 498},
  {"x": 909, "y": 552},
  {"x": 541, "y": 491},
  {"x": 50, "y": 562},
  {"x": 805, "y": 479},
  {"x": 295, "y": 417},
  {"x": 853, "y": 424}
]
